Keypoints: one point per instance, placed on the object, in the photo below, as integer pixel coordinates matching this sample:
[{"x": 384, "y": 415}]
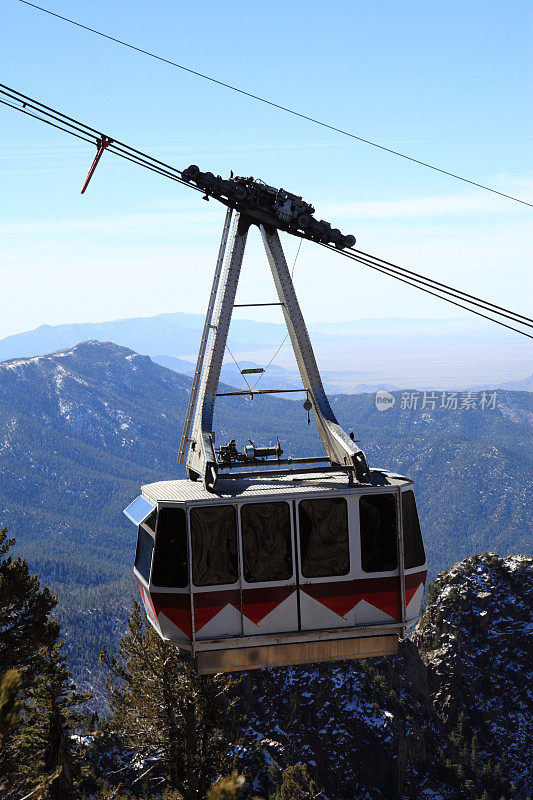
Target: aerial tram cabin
[
  {"x": 258, "y": 561},
  {"x": 265, "y": 572}
]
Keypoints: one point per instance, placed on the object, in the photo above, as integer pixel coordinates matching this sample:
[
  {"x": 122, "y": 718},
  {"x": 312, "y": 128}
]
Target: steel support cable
[
  {"x": 486, "y": 303},
  {"x": 14, "y": 94},
  {"x": 238, "y": 367},
  {"x": 133, "y": 157},
  {"x": 280, "y": 107},
  {"x": 486, "y": 306},
  {"x": 418, "y": 284},
  {"x": 88, "y": 134},
  {"x": 78, "y": 129},
  {"x": 410, "y": 282},
  {"x": 48, "y": 122}
]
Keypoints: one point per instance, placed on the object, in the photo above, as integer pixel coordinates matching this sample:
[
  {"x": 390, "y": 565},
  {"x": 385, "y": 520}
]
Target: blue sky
[{"x": 447, "y": 82}]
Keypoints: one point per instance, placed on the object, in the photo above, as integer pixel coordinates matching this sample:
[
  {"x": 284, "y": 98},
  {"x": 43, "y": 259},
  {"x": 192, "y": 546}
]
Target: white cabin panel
[
  {"x": 282, "y": 617},
  {"x": 227, "y": 622},
  {"x": 413, "y": 607},
  {"x": 169, "y": 630},
  {"x": 315, "y": 614},
  {"x": 367, "y": 614}
]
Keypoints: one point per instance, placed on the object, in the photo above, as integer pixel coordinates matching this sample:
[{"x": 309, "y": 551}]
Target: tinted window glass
[
  {"x": 214, "y": 545},
  {"x": 149, "y": 522},
  {"x": 170, "y": 556},
  {"x": 324, "y": 547},
  {"x": 266, "y": 542},
  {"x": 413, "y": 546},
  {"x": 379, "y": 546},
  {"x": 143, "y": 556}
]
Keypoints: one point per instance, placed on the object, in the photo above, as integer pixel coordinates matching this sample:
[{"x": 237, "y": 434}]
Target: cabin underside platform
[
  {"x": 281, "y": 655},
  {"x": 236, "y": 655}
]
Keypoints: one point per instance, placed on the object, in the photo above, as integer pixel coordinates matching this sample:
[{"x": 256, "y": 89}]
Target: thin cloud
[
  {"x": 115, "y": 225},
  {"x": 436, "y": 206}
]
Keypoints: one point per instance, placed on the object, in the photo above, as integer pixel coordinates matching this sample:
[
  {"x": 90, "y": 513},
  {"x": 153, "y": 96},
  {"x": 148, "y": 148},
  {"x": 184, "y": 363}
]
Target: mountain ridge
[{"x": 366, "y": 353}]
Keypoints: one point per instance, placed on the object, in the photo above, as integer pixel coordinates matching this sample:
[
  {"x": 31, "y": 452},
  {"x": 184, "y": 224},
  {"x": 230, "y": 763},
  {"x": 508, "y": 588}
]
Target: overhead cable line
[
  {"x": 280, "y": 107},
  {"x": 471, "y": 297},
  {"x": 419, "y": 284},
  {"x": 33, "y": 108},
  {"x": 56, "y": 119},
  {"x": 238, "y": 367}
]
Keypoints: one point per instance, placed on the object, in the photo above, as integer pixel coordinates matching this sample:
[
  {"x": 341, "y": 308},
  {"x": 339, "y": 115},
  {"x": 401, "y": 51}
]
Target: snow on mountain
[{"x": 450, "y": 718}]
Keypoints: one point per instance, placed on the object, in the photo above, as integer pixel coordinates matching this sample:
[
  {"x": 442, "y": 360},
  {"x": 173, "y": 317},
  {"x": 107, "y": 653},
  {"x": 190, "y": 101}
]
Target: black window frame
[
  {"x": 196, "y": 509},
  {"x": 245, "y": 507},
  {"x": 161, "y": 560},
  {"x": 325, "y": 573},
  {"x": 143, "y": 532},
  {"x": 413, "y": 542},
  {"x": 393, "y": 544}
]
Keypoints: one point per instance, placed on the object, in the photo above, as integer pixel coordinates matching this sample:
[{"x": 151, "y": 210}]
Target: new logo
[{"x": 384, "y": 400}]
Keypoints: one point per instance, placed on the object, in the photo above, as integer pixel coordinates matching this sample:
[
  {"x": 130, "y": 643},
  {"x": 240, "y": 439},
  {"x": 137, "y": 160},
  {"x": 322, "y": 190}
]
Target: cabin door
[
  {"x": 216, "y": 587},
  {"x": 325, "y": 562},
  {"x": 268, "y": 570}
]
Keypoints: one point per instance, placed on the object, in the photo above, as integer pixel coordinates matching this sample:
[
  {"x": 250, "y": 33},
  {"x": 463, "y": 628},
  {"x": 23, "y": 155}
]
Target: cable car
[
  {"x": 258, "y": 561},
  {"x": 271, "y": 571}
]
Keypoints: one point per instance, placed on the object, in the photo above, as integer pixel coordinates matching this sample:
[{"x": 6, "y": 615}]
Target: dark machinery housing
[{"x": 268, "y": 205}]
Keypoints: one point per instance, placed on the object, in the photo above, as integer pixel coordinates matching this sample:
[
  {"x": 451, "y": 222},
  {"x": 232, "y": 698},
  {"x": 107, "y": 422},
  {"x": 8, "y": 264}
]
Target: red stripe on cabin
[
  {"x": 208, "y": 604},
  {"x": 258, "y": 603},
  {"x": 339, "y": 596},
  {"x": 412, "y": 582},
  {"x": 176, "y": 607},
  {"x": 382, "y": 593},
  {"x": 388, "y": 602},
  {"x": 145, "y": 595}
]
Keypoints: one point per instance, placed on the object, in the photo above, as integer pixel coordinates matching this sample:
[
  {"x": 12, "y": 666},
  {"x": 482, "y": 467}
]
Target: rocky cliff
[{"x": 450, "y": 718}]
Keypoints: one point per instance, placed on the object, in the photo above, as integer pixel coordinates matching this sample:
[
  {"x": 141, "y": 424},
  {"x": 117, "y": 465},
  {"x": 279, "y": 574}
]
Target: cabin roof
[{"x": 294, "y": 483}]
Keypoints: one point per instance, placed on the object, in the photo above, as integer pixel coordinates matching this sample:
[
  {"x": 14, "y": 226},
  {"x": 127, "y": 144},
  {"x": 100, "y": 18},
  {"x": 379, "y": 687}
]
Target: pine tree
[
  {"x": 169, "y": 718},
  {"x": 25, "y": 622},
  {"x": 10, "y": 706},
  {"x": 297, "y": 785},
  {"x": 43, "y": 743},
  {"x": 34, "y": 757}
]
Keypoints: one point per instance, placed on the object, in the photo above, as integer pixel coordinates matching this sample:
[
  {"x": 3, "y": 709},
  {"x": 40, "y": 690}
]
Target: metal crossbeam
[
  {"x": 276, "y": 473},
  {"x": 254, "y": 305},
  {"x": 248, "y": 392}
]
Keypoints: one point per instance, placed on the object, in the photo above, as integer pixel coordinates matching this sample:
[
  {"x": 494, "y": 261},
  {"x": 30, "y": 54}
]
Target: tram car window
[
  {"x": 324, "y": 543},
  {"x": 214, "y": 545},
  {"x": 266, "y": 542},
  {"x": 377, "y": 514},
  {"x": 170, "y": 567},
  {"x": 412, "y": 537},
  {"x": 143, "y": 554}
]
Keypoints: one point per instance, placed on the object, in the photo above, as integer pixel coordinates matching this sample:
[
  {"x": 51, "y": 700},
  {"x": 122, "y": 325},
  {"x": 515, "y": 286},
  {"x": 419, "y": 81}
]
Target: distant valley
[{"x": 357, "y": 356}]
